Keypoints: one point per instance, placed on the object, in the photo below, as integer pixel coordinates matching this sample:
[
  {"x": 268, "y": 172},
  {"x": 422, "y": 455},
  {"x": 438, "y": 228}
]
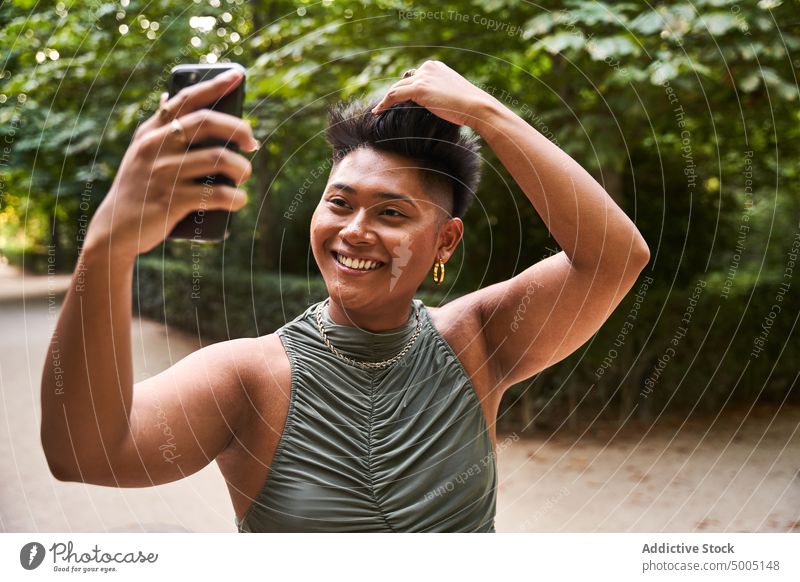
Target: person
[{"x": 370, "y": 411}]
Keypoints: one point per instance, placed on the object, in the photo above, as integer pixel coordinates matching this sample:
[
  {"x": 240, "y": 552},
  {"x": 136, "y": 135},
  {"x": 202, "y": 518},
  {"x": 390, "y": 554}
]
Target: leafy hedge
[
  {"x": 652, "y": 358},
  {"x": 678, "y": 349},
  {"x": 39, "y": 259},
  {"x": 228, "y": 303}
]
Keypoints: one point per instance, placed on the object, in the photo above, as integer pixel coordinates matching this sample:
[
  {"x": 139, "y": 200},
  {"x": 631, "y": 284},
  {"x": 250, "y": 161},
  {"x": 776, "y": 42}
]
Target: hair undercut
[{"x": 449, "y": 160}]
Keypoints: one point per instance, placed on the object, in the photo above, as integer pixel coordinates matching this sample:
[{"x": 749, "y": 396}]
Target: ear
[{"x": 450, "y": 234}]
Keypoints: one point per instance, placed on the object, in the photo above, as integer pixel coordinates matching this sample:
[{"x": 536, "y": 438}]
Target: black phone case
[{"x": 208, "y": 225}]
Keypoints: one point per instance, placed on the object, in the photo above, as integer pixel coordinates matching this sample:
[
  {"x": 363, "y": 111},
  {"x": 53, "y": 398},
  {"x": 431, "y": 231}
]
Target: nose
[{"x": 357, "y": 230}]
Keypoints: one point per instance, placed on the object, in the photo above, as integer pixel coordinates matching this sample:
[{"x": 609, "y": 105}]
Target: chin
[
  {"x": 342, "y": 294},
  {"x": 351, "y": 297},
  {"x": 365, "y": 298}
]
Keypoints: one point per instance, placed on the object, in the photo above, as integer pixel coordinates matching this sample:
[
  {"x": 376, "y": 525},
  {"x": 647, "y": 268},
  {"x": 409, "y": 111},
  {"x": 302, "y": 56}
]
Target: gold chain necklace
[{"x": 365, "y": 365}]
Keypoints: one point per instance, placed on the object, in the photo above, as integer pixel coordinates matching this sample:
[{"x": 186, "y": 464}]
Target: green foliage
[
  {"x": 618, "y": 372},
  {"x": 667, "y": 349},
  {"x": 219, "y": 304},
  {"x": 591, "y": 75},
  {"x": 686, "y": 112},
  {"x": 78, "y": 87}
]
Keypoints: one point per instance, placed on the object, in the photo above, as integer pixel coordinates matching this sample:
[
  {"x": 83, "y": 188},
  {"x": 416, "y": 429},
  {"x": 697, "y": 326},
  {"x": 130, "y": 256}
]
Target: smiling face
[{"x": 377, "y": 231}]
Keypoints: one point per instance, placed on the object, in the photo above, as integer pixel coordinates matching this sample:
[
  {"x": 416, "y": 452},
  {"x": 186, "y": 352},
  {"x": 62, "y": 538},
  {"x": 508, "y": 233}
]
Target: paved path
[
  {"x": 30, "y": 498},
  {"x": 740, "y": 473}
]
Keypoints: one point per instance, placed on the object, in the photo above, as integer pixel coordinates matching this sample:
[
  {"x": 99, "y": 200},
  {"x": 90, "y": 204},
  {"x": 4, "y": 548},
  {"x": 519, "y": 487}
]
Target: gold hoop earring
[{"x": 437, "y": 278}]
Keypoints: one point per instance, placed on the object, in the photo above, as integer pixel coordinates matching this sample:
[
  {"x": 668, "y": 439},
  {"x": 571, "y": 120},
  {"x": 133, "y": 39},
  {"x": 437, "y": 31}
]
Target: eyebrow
[{"x": 387, "y": 195}]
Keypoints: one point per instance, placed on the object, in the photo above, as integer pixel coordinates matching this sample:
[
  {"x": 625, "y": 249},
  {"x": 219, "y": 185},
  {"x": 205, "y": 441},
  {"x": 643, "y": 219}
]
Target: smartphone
[{"x": 208, "y": 225}]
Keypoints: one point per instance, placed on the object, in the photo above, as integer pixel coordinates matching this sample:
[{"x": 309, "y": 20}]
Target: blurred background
[{"x": 680, "y": 414}]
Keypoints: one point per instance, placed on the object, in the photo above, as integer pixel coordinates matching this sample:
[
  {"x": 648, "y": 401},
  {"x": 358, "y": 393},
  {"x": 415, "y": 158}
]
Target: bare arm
[
  {"x": 546, "y": 312},
  {"x": 88, "y": 378},
  {"x": 95, "y": 426}
]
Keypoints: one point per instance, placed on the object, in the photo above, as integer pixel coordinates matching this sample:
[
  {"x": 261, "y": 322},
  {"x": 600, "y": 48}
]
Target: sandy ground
[{"x": 740, "y": 472}]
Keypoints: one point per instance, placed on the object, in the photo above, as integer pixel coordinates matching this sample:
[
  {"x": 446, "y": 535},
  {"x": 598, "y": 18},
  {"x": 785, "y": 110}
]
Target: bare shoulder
[
  {"x": 269, "y": 359},
  {"x": 458, "y": 321},
  {"x": 266, "y": 374},
  {"x": 242, "y": 359},
  {"x": 265, "y": 366},
  {"x": 249, "y": 372},
  {"x": 190, "y": 413},
  {"x": 460, "y": 324}
]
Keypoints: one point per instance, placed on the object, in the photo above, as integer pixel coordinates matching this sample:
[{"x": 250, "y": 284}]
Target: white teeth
[{"x": 360, "y": 264}]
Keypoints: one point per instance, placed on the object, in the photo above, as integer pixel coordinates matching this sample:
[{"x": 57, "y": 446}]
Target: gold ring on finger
[
  {"x": 164, "y": 113},
  {"x": 177, "y": 129},
  {"x": 409, "y": 73}
]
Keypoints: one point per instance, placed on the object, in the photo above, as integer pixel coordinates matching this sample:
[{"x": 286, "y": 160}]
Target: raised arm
[
  {"x": 96, "y": 426},
  {"x": 546, "y": 312}
]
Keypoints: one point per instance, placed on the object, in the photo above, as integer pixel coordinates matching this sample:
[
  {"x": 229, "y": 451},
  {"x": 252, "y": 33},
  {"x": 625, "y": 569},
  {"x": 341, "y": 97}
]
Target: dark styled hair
[{"x": 445, "y": 155}]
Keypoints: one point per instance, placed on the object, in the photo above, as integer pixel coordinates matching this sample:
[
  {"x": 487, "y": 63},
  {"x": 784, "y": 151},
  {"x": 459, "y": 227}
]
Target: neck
[{"x": 383, "y": 318}]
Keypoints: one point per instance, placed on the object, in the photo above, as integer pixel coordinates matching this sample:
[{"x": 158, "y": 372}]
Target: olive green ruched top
[{"x": 403, "y": 449}]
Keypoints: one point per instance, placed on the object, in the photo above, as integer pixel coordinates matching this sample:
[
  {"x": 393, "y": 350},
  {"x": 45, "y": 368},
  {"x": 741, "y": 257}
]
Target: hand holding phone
[
  {"x": 203, "y": 224},
  {"x": 160, "y": 179}
]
